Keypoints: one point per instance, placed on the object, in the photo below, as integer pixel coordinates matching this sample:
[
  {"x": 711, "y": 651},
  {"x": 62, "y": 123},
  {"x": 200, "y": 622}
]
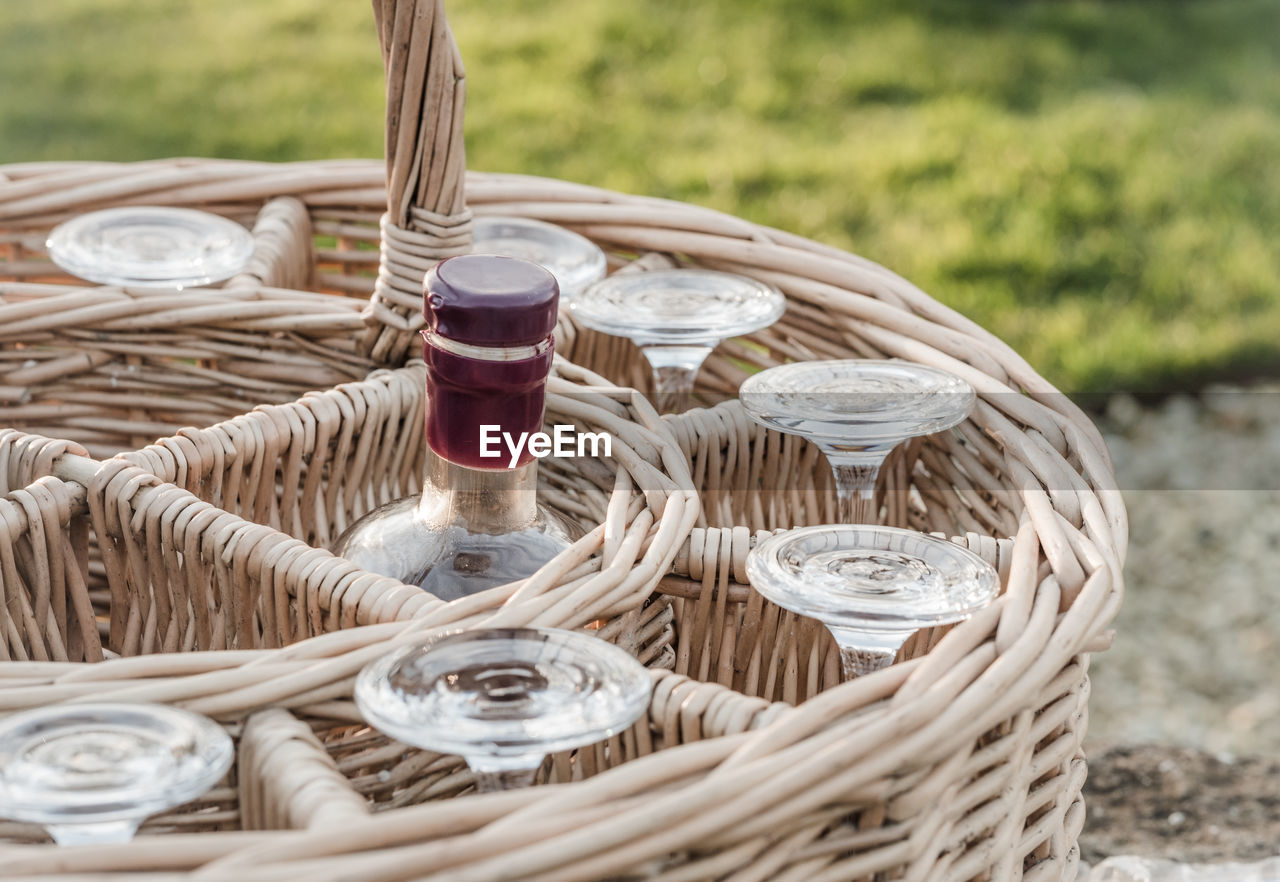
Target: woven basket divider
[
  {"x": 313, "y": 677},
  {"x": 44, "y": 543},
  {"x": 358, "y": 445},
  {"x": 187, "y": 575},
  {"x": 283, "y": 766},
  {"x": 271, "y": 588}
]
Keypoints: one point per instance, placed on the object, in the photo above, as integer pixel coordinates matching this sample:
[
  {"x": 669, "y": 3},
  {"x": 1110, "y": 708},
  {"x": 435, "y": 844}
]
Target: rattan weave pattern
[
  {"x": 242, "y": 426},
  {"x": 1005, "y": 479}
]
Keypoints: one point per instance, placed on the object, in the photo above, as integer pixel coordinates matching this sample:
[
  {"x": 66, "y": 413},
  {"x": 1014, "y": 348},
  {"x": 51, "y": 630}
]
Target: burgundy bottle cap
[{"x": 487, "y": 300}]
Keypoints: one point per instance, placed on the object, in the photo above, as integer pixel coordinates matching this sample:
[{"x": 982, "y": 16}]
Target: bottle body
[
  {"x": 470, "y": 530},
  {"x": 488, "y": 351}
]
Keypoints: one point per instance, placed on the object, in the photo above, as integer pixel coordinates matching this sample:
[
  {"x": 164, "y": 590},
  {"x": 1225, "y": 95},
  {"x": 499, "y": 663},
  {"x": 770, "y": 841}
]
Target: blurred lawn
[{"x": 1090, "y": 180}]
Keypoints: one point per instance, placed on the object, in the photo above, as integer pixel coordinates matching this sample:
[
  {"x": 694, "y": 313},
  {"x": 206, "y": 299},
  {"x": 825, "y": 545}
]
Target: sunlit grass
[{"x": 1095, "y": 182}]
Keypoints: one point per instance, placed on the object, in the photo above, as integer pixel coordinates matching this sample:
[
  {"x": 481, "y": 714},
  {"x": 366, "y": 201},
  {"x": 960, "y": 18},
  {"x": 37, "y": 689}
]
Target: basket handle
[{"x": 427, "y": 219}]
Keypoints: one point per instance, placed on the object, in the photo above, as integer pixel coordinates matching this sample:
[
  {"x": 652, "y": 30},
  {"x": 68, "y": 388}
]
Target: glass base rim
[
  {"x": 693, "y": 332},
  {"x": 853, "y": 431},
  {"x": 211, "y": 754},
  {"x": 867, "y": 611},
  {"x": 510, "y": 743},
  {"x": 78, "y": 259}
]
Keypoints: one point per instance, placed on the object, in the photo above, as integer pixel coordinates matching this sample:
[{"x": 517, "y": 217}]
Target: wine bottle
[{"x": 488, "y": 348}]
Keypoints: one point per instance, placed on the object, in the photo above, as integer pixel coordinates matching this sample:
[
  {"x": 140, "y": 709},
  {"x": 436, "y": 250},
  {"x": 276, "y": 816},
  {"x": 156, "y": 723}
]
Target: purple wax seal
[
  {"x": 487, "y": 300},
  {"x": 488, "y": 350}
]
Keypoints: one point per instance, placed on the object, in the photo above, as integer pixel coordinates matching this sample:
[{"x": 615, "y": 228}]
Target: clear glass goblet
[
  {"x": 677, "y": 317},
  {"x": 156, "y": 247},
  {"x": 856, "y": 411},
  {"x": 871, "y": 586},
  {"x": 91, "y": 773},
  {"x": 503, "y": 698},
  {"x": 574, "y": 260}
]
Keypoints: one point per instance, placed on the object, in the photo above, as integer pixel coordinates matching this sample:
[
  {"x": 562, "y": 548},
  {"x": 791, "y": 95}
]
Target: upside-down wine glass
[
  {"x": 677, "y": 317},
  {"x": 154, "y": 247},
  {"x": 91, "y": 773},
  {"x": 871, "y": 586},
  {"x": 503, "y": 698},
  {"x": 574, "y": 260},
  {"x": 856, "y": 411}
]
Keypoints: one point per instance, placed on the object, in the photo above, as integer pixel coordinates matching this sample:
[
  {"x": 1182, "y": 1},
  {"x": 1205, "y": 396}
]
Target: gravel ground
[
  {"x": 1184, "y": 731},
  {"x": 1175, "y": 803},
  {"x": 1196, "y": 661}
]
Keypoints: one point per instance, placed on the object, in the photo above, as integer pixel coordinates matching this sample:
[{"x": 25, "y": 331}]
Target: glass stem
[
  {"x": 865, "y": 652},
  {"x": 675, "y": 368},
  {"x": 491, "y": 780},
  {"x": 102, "y": 833},
  {"x": 855, "y": 476}
]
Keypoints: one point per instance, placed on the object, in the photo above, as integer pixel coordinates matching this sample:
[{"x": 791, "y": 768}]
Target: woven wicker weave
[{"x": 284, "y": 408}]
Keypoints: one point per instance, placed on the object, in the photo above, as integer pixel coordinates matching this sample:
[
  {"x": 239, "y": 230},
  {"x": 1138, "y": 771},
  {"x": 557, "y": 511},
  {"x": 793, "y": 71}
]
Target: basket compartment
[
  {"x": 114, "y": 368},
  {"x": 1013, "y": 790},
  {"x": 181, "y": 573},
  {"x": 173, "y": 574}
]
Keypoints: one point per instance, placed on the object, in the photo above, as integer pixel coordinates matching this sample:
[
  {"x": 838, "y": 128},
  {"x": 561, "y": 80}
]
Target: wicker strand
[{"x": 426, "y": 217}]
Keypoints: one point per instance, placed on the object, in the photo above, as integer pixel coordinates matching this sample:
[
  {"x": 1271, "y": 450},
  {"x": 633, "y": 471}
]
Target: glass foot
[
  {"x": 856, "y": 411},
  {"x": 145, "y": 246},
  {"x": 574, "y": 260},
  {"x": 689, "y": 307},
  {"x": 93, "y": 772},
  {"x": 855, "y": 403},
  {"x": 503, "y": 698},
  {"x": 677, "y": 317},
  {"x": 871, "y": 586}
]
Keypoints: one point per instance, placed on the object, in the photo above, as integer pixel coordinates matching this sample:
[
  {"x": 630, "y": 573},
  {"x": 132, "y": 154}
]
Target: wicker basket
[{"x": 284, "y": 407}]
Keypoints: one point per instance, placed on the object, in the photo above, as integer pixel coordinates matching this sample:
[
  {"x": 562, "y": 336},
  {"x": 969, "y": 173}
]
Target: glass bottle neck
[{"x": 493, "y": 501}]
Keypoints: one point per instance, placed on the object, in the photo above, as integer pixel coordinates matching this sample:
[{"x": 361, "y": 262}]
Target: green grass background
[{"x": 1096, "y": 182}]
